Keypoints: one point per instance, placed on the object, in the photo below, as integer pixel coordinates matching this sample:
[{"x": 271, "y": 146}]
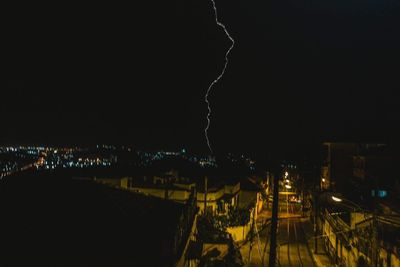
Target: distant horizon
[{"x": 312, "y": 153}]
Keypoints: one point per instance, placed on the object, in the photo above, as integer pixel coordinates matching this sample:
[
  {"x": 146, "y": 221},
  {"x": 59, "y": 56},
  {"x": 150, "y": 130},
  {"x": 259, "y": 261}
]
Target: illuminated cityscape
[
  {"x": 228, "y": 202},
  {"x": 201, "y": 133}
]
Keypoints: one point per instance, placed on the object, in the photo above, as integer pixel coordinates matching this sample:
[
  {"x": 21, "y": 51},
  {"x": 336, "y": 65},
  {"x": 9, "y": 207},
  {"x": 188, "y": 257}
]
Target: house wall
[
  {"x": 212, "y": 205},
  {"x": 246, "y": 198},
  {"x": 395, "y": 260},
  {"x": 119, "y": 182},
  {"x": 124, "y": 182},
  {"x": 177, "y": 195},
  {"x": 213, "y": 197},
  {"x": 356, "y": 217},
  {"x": 338, "y": 165},
  {"x": 156, "y": 192},
  {"x": 349, "y": 256},
  {"x": 182, "y": 195},
  {"x": 239, "y": 233},
  {"x": 250, "y": 198}
]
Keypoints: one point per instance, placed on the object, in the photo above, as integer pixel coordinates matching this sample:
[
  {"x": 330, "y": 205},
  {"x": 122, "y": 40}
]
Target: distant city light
[{"x": 379, "y": 193}]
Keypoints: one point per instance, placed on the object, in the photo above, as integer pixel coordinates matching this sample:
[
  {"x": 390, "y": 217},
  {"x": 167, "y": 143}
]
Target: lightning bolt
[{"x": 219, "y": 76}]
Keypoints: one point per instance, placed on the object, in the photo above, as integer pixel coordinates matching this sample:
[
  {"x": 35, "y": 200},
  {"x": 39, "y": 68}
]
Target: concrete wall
[
  {"x": 239, "y": 233},
  {"x": 176, "y": 195},
  {"x": 156, "y": 192},
  {"x": 124, "y": 182},
  {"x": 211, "y": 196},
  {"x": 349, "y": 257},
  {"x": 395, "y": 260},
  {"x": 184, "y": 261},
  {"x": 118, "y": 182},
  {"x": 183, "y": 195},
  {"x": 356, "y": 217}
]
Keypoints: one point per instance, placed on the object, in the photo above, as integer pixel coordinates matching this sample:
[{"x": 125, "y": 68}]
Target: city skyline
[{"x": 175, "y": 201}]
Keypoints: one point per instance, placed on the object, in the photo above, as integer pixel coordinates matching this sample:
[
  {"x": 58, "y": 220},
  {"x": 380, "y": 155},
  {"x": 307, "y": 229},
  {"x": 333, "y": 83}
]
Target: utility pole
[
  {"x": 302, "y": 196},
  {"x": 251, "y": 240},
  {"x": 315, "y": 204},
  {"x": 374, "y": 247},
  {"x": 317, "y": 195},
  {"x": 274, "y": 221},
  {"x": 375, "y": 254}
]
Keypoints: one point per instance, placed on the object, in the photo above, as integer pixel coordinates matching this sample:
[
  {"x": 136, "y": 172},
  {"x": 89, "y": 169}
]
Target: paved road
[{"x": 292, "y": 244}]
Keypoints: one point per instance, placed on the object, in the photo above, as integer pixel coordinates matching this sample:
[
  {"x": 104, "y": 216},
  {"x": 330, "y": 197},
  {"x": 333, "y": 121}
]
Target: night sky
[{"x": 301, "y": 72}]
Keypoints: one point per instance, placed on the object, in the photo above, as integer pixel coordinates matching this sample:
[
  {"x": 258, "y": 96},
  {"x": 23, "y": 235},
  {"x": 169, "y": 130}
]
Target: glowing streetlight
[{"x": 336, "y": 199}]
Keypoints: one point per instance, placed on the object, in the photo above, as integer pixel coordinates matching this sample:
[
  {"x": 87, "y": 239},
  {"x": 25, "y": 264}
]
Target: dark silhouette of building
[
  {"x": 337, "y": 167},
  {"x": 49, "y": 219}
]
